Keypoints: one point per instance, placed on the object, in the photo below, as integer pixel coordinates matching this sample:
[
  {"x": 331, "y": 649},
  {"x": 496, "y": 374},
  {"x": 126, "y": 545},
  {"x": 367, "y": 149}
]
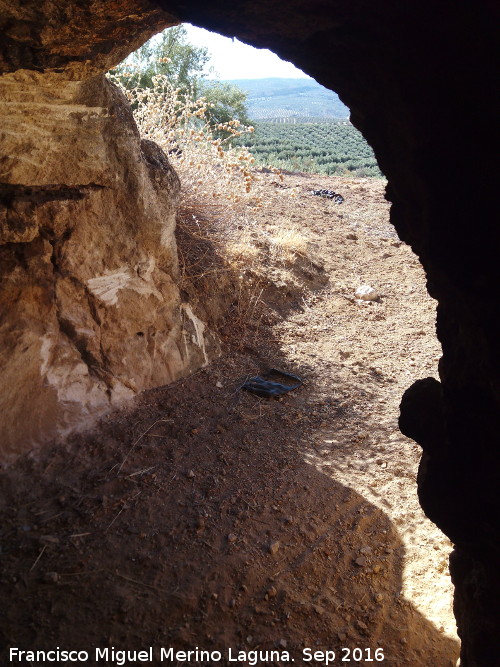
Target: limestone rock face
[{"x": 90, "y": 310}]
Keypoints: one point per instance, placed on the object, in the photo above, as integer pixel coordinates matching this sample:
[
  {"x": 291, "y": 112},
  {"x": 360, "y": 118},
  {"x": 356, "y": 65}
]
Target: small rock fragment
[
  {"x": 231, "y": 537},
  {"x": 274, "y": 547},
  {"x": 362, "y": 626},
  {"x": 191, "y": 474},
  {"x": 366, "y": 293},
  {"x": 361, "y": 561}
]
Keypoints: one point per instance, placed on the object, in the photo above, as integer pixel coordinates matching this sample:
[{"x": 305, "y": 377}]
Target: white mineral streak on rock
[
  {"x": 45, "y": 353},
  {"x": 366, "y": 293},
  {"x": 107, "y": 286},
  {"x": 198, "y": 338}
]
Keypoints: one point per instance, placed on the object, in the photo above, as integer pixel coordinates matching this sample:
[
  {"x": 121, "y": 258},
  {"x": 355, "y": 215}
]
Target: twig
[
  {"x": 135, "y": 581},
  {"x": 142, "y": 471},
  {"x": 116, "y": 517},
  {"x": 140, "y": 438},
  {"x": 39, "y": 556},
  {"x": 125, "y": 506},
  {"x": 80, "y": 574},
  {"x": 252, "y": 507}
]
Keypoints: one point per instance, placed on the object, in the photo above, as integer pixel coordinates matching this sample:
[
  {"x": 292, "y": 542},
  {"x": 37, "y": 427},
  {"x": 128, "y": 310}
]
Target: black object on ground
[
  {"x": 328, "y": 194},
  {"x": 266, "y": 388}
]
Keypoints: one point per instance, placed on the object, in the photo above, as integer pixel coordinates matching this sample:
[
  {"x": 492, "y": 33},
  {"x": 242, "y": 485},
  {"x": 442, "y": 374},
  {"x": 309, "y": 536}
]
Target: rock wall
[
  {"x": 419, "y": 78},
  {"x": 90, "y": 310}
]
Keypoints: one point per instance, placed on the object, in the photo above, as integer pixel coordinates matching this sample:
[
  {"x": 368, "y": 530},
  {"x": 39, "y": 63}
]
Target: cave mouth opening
[
  {"x": 404, "y": 77},
  {"x": 257, "y": 89},
  {"x": 369, "y": 350}
]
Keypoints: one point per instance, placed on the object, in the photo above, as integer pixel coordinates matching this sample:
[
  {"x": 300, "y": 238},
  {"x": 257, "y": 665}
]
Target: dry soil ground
[{"x": 207, "y": 517}]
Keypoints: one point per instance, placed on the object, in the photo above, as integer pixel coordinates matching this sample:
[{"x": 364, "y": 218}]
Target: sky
[{"x": 231, "y": 59}]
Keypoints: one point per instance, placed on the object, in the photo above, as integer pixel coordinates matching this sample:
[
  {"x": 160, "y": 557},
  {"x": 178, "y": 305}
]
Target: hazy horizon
[{"x": 232, "y": 59}]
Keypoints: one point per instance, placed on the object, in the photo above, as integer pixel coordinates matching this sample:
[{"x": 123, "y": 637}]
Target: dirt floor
[{"x": 205, "y": 516}]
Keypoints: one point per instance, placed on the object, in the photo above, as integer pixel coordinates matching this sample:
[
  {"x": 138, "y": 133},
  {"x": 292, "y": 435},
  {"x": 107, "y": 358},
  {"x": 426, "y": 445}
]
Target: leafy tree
[
  {"x": 184, "y": 65},
  {"x": 226, "y": 103},
  {"x": 171, "y": 55}
]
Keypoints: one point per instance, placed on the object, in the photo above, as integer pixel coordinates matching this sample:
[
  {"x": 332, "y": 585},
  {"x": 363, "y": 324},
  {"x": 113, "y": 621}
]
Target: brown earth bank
[{"x": 205, "y": 516}]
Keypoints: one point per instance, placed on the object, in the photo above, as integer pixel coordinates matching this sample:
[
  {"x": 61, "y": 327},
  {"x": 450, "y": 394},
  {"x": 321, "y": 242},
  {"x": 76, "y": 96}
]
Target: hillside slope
[{"x": 281, "y": 98}]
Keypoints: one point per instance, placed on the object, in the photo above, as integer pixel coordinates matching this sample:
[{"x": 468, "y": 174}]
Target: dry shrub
[
  {"x": 210, "y": 168},
  {"x": 221, "y": 248},
  {"x": 218, "y": 273}
]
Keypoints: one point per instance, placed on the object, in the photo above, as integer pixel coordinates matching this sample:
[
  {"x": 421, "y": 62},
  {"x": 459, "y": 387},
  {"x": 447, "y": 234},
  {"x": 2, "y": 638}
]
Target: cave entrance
[
  {"x": 326, "y": 290},
  {"x": 86, "y": 226}
]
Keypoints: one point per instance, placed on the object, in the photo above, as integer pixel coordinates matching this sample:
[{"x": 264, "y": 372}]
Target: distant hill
[{"x": 286, "y": 98}]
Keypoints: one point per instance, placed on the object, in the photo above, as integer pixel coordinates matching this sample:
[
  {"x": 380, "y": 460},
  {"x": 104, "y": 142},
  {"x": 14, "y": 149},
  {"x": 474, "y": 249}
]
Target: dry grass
[
  {"x": 286, "y": 243},
  {"x": 222, "y": 247},
  {"x": 209, "y": 166},
  {"x": 217, "y": 272}
]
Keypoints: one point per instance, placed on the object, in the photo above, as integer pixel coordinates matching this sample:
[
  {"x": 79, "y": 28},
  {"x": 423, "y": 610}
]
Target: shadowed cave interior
[{"x": 419, "y": 80}]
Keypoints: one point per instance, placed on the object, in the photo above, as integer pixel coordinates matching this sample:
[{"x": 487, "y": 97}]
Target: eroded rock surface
[
  {"x": 91, "y": 313},
  {"x": 79, "y": 38}
]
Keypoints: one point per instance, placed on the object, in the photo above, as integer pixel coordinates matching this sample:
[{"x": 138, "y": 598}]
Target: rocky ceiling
[{"x": 419, "y": 77}]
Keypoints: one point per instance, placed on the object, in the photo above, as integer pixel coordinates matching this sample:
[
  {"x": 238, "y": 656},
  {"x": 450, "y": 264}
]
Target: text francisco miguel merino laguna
[{"x": 126, "y": 657}]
